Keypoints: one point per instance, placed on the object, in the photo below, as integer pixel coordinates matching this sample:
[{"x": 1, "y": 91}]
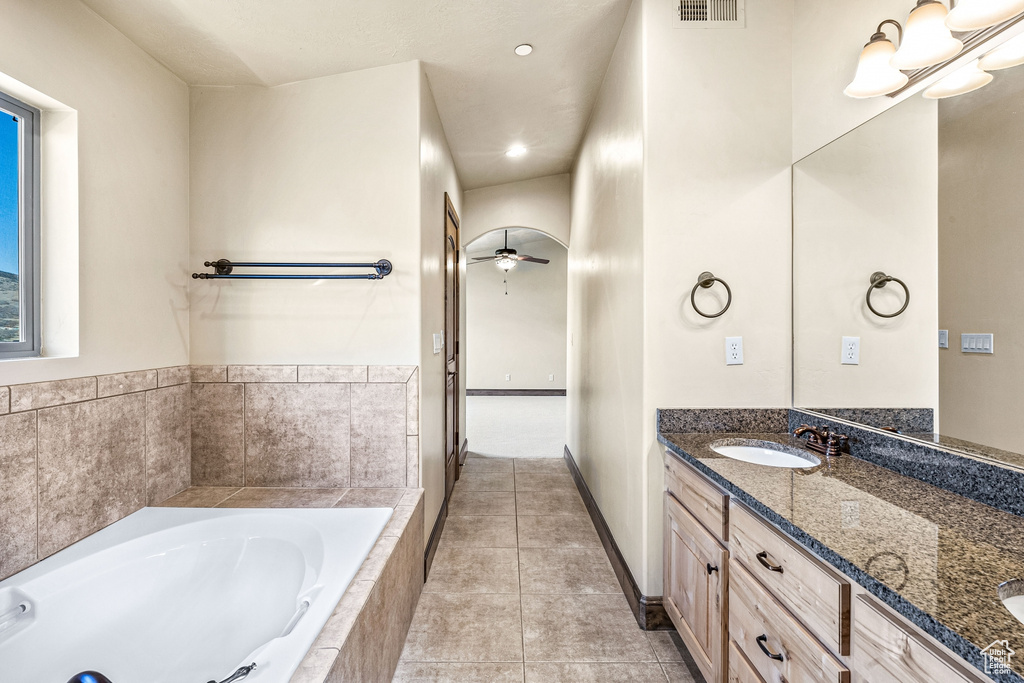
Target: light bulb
[
  {"x": 971, "y": 15},
  {"x": 875, "y": 75},
  {"x": 1010, "y": 53},
  {"x": 926, "y": 38},
  {"x": 963, "y": 80}
]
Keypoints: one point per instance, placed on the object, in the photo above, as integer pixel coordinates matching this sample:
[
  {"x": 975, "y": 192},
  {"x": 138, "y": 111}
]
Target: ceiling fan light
[
  {"x": 926, "y": 38},
  {"x": 963, "y": 80},
  {"x": 1010, "y": 53},
  {"x": 971, "y": 15},
  {"x": 875, "y": 75},
  {"x": 506, "y": 263}
]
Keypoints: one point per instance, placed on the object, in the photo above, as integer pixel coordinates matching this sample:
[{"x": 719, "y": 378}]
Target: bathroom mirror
[{"x": 932, "y": 193}]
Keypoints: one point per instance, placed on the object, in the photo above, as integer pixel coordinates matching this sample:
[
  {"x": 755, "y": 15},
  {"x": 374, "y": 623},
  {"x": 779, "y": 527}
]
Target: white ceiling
[
  {"x": 488, "y": 97},
  {"x": 518, "y": 239}
]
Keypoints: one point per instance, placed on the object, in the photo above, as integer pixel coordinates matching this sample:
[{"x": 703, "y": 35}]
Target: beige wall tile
[
  {"x": 209, "y": 373},
  {"x": 200, "y": 497},
  {"x": 283, "y": 498},
  {"x": 125, "y": 383},
  {"x": 375, "y": 562},
  {"x": 5, "y": 400},
  {"x": 217, "y": 439},
  {"x": 263, "y": 373},
  {"x": 315, "y": 666},
  {"x": 412, "y": 461},
  {"x": 46, "y": 394},
  {"x": 338, "y": 627},
  {"x": 412, "y": 406},
  {"x": 332, "y": 373},
  {"x": 378, "y": 435},
  {"x": 17, "y": 493},
  {"x": 92, "y": 467},
  {"x": 297, "y": 435},
  {"x": 371, "y": 498},
  {"x": 168, "y": 377},
  {"x": 168, "y": 442},
  {"x": 390, "y": 373}
]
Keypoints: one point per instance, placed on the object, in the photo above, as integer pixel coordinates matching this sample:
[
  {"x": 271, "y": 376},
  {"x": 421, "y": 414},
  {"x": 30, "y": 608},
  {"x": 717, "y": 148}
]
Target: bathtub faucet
[{"x": 238, "y": 675}]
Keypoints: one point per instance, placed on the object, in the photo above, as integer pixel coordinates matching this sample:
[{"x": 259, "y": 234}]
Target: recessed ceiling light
[
  {"x": 515, "y": 151},
  {"x": 524, "y": 49}
]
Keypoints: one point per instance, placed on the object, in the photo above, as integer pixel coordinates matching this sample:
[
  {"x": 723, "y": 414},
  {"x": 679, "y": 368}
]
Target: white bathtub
[{"x": 172, "y": 595}]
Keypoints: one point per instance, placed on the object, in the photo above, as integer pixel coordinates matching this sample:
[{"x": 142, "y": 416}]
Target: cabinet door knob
[
  {"x": 761, "y": 640},
  {"x": 711, "y": 569},
  {"x": 762, "y": 557}
]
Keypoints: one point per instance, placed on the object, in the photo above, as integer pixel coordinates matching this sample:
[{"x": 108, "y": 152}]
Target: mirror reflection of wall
[{"x": 928, "y": 192}]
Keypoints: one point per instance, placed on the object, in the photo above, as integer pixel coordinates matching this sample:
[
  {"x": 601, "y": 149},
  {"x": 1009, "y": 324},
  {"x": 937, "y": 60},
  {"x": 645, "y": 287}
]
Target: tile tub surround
[
  {"x": 363, "y": 638},
  {"x": 77, "y": 455},
  {"x": 999, "y": 485},
  {"x": 851, "y": 512},
  {"x": 317, "y": 426}
]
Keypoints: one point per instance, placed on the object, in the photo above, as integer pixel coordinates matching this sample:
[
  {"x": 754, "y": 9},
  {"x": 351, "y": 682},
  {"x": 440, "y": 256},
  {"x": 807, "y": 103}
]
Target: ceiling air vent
[{"x": 711, "y": 14}]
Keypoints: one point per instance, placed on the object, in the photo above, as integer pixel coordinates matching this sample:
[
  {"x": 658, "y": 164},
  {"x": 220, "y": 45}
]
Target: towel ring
[
  {"x": 707, "y": 280},
  {"x": 879, "y": 280}
]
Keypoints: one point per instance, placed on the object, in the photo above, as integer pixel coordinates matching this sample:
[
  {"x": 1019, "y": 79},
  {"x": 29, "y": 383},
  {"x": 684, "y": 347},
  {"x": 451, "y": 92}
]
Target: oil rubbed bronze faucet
[{"x": 821, "y": 440}]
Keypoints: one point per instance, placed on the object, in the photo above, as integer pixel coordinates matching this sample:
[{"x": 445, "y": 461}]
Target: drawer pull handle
[
  {"x": 762, "y": 557},
  {"x": 711, "y": 569},
  {"x": 761, "y": 640}
]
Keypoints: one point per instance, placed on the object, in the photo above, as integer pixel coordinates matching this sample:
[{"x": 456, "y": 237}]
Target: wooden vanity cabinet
[{"x": 696, "y": 575}]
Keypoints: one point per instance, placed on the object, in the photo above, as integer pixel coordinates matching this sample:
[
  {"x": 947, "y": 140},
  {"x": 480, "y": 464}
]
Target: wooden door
[
  {"x": 696, "y": 565},
  {"x": 451, "y": 346}
]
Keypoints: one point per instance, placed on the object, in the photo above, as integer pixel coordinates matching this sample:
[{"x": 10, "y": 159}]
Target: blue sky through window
[{"x": 8, "y": 193}]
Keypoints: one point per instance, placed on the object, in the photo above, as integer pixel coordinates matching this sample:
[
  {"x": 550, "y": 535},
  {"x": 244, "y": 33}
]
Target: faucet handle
[{"x": 836, "y": 443}]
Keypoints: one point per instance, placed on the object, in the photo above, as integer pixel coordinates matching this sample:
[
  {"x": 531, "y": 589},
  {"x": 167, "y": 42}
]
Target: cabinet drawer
[
  {"x": 740, "y": 670},
  {"x": 887, "y": 651},
  {"x": 817, "y": 595},
  {"x": 761, "y": 627},
  {"x": 708, "y": 503}
]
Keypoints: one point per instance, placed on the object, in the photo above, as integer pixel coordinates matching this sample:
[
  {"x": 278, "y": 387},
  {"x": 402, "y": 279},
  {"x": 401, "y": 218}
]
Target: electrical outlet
[
  {"x": 508, "y": 378},
  {"x": 734, "y": 350},
  {"x": 943, "y": 339},
  {"x": 851, "y": 351},
  {"x": 551, "y": 378}
]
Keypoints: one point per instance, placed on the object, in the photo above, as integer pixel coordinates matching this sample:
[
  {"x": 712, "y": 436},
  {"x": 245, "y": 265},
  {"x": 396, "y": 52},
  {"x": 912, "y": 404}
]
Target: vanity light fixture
[
  {"x": 875, "y": 74},
  {"x": 970, "y": 15},
  {"x": 926, "y": 38},
  {"x": 524, "y": 49},
  {"x": 963, "y": 80},
  {"x": 515, "y": 151},
  {"x": 1010, "y": 53}
]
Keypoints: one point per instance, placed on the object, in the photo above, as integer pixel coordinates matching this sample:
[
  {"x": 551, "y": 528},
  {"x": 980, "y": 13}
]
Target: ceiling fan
[{"x": 506, "y": 258}]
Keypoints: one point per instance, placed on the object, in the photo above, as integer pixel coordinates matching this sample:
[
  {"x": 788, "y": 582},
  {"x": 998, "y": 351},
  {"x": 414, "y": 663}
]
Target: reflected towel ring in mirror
[
  {"x": 879, "y": 280},
  {"x": 706, "y": 280}
]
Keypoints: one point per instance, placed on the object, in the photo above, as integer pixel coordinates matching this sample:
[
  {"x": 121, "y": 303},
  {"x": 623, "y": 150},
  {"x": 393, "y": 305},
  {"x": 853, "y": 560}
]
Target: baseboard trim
[
  {"x": 649, "y": 610},
  {"x": 515, "y": 392},
  {"x": 464, "y": 451},
  {"x": 435, "y": 538}
]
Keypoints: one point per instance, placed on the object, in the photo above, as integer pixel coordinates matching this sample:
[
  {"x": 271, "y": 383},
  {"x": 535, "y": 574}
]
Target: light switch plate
[
  {"x": 943, "y": 339},
  {"x": 438, "y": 342},
  {"x": 851, "y": 351},
  {"x": 977, "y": 343},
  {"x": 734, "y": 350}
]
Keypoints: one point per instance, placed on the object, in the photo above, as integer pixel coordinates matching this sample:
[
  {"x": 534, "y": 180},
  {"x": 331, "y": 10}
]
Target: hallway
[{"x": 521, "y": 589}]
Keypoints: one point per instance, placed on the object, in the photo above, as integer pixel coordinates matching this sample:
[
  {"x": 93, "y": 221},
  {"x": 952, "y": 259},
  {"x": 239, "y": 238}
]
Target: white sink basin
[
  {"x": 766, "y": 455},
  {"x": 1012, "y": 595}
]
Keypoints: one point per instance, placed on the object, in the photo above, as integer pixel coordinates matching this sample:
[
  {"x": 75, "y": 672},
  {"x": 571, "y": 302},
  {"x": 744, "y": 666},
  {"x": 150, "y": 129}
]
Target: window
[{"x": 19, "y": 229}]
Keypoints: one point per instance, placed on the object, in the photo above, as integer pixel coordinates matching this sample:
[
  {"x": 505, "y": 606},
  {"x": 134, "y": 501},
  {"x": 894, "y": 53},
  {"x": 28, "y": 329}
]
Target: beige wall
[
  {"x": 980, "y": 252},
  {"x": 542, "y": 204},
  {"x": 523, "y": 333},
  {"x": 865, "y": 203},
  {"x": 437, "y": 176},
  {"x": 716, "y": 197},
  {"x": 123, "y": 293},
  {"x": 320, "y": 170},
  {"x": 605, "y": 370}
]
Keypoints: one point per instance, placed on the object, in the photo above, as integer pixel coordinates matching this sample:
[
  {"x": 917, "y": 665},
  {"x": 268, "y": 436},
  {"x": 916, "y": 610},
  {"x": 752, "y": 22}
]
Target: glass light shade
[
  {"x": 926, "y": 38},
  {"x": 971, "y": 15},
  {"x": 507, "y": 263},
  {"x": 1010, "y": 53},
  {"x": 875, "y": 75},
  {"x": 964, "y": 79}
]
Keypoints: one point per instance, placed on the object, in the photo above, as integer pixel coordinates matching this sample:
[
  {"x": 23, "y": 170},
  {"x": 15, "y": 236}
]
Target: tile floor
[{"x": 522, "y": 590}]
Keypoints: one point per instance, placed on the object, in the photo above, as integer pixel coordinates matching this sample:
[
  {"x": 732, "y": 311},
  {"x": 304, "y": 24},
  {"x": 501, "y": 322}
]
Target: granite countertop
[{"x": 934, "y": 556}]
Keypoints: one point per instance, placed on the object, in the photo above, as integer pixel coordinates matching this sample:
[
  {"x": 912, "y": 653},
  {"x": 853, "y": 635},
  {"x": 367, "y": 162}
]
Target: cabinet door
[{"x": 696, "y": 568}]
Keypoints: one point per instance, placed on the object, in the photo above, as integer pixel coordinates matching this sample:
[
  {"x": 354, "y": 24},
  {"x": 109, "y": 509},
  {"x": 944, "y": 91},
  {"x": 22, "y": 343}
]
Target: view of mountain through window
[{"x": 10, "y": 290}]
